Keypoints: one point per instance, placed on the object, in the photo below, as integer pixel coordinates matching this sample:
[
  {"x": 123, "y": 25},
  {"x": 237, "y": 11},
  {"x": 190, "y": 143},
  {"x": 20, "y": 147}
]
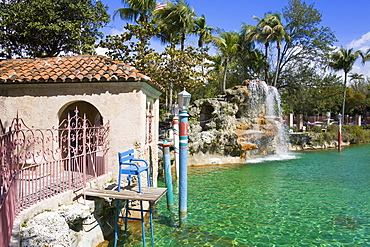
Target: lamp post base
[
  {"x": 339, "y": 140},
  {"x": 183, "y": 218}
]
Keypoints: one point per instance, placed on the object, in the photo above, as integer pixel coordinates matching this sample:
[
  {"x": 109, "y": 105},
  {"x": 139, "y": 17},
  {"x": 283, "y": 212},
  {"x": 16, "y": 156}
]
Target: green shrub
[
  {"x": 317, "y": 129},
  {"x": 350, "y": 133},
  {"x": 355, "y": 134}
]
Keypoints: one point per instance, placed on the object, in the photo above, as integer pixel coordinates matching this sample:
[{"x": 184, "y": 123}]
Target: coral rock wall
[{"x": 231, "y": 128}]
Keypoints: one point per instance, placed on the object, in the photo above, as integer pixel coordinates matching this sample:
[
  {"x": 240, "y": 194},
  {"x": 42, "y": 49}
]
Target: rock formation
[
  {"x": 74, "y": 225},
  {"x": 243, "y": 123}
]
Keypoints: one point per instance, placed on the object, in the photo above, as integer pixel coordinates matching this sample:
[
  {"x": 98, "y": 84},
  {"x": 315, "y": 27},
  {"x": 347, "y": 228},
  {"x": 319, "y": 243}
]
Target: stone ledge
[
  {"x": 212, "y": 159},
  {"x": 49, "y": 204}
]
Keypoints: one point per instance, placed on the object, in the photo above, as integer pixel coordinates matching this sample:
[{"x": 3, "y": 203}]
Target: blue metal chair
[{"x": 129, "y": 168}]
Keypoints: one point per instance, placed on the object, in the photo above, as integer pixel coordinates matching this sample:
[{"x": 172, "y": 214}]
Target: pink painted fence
[{"x": 36, "y": 164}]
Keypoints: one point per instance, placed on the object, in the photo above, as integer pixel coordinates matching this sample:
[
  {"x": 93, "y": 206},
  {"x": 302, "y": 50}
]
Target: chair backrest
[{"x": 126, "y": 157}]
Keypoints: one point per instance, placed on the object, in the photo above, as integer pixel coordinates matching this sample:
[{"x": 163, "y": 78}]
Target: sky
[{"x": 348, "y": 19}]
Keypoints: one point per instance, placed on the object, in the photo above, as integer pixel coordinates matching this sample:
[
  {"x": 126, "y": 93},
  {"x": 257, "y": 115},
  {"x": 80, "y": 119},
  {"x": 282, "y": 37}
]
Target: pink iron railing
[{"x": 36, "y": 164}]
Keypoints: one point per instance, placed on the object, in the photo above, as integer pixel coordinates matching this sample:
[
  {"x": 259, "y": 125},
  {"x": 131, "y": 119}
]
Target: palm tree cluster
[
  {"x": 268, "y": 30},
  {"x": 344, "y": 59},
  {"x": 237, "y": 55},
  {"x": 288, "y": 50},
  {"x": 176, "y": 20},
  {"x": 177, "y": 66},
  {"x": 240, "y": 46}
]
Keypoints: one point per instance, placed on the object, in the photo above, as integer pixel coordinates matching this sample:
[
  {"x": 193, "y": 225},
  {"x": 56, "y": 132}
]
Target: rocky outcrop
[
  {"x": 310, "y": 141},
  {"x": 46, "y": 229},
  {"x": 73, "y": 225},
  {"x": 212, "y": 128},
  {"x": 232, "y": 127}
]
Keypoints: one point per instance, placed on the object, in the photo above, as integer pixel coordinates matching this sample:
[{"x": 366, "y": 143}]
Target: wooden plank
[{"x": 151, "y": 194}]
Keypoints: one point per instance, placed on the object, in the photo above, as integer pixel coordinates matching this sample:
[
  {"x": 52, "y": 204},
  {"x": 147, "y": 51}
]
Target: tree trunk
[
  {"x": 344, "y": 94},
  {"x": 223, "y": 86},
  {"x": 183, "y": 37},
  {"x": 170, "y": 100},
  {"x": 266, "y": 69},
  {"x": 277, "y": 65}
]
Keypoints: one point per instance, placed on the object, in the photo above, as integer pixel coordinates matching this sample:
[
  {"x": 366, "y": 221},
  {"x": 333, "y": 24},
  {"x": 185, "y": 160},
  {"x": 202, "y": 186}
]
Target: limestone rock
[
  {"x": 74, "y": 225},
  {"x": 46, "y": 229},
  {"x": 74, "y": 213},
  {"x": 240, "y": 123}
]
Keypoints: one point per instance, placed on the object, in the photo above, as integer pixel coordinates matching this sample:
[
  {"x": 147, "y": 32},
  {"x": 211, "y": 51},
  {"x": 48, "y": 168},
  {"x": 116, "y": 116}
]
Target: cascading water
[
  {"x": 264, "y": 116},
  {"x": 274, "y": 114},
  {"x": 242, "y": 125}
]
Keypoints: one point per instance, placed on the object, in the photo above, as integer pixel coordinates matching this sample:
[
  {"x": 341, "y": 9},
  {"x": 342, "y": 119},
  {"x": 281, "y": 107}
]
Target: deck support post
[
  {"x": 340, "y": 132},
  {"x": 167, "y": 173}
]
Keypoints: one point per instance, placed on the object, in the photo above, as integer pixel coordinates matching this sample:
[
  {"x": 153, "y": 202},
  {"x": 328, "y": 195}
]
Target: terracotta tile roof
[{"x": 69, "y": 69}]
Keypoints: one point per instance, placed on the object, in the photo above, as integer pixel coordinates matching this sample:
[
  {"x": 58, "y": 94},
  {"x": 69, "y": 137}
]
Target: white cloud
[
  {"x": 361, "y": 44},
  {"x": 115, "y": 31},
  {"x": 101, "y": 51},
  {"x": 359, "y": 68}
]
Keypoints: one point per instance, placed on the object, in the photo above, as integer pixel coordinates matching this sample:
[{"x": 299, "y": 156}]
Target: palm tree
[
  {"x": 136, "y": 10},
  {"x": 277, "y": 34},
  {"x": 343, "y": 59},
  {"x": 269, "y": 29},
  {"x": 254, "y": 33},
  {"x": 365, "y": 56},
  {"x": 176, "y": 21},
  {"x": 257, "y": 62},
  {"x": 204, "y": 31},
  {"x": 359, "y": 84},
  {"x": 356, "y": 76},
  {"x": 227, "y": 44}
]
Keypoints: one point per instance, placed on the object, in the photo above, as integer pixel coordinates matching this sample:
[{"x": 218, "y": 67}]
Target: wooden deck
[{"x": 151, "y": 194}]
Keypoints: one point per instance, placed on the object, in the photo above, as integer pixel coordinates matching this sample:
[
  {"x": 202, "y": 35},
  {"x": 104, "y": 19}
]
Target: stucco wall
[
  {"x": 123, "y": 104},
  {"x": 154, "y": 144}
]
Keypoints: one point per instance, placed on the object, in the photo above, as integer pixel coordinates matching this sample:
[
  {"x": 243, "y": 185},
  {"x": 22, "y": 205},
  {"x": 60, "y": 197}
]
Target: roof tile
[{"x": 69, "y": 69}]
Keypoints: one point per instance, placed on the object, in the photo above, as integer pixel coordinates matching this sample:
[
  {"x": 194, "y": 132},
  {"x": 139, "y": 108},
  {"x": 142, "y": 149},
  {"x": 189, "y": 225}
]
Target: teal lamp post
[{"x": 183, "y": 101}]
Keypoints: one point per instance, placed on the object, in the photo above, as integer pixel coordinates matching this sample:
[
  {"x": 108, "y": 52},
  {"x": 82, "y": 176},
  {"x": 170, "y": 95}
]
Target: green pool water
[{"x": 315, "y": 198}]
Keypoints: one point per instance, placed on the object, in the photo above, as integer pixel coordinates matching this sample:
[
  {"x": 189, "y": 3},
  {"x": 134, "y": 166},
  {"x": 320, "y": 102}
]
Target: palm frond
[{"x": 126, "y": 14}]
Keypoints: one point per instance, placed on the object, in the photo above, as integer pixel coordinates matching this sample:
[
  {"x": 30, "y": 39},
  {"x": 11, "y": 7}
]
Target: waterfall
[
  {"x": 264, "y": 115},
  {"x": 275, "y": 114},
  {"x": 246, "y": 123}
]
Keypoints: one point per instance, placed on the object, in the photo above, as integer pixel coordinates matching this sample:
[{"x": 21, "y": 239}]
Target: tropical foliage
[
  {"x": 290, "y": 49},
  {"x": 173, "y": 68},
  {"x": 343, "y": 59},
  {"x": 37, "y": 28},
  {"x": 228, "y": 45},
  {"x": 268, "y": 30},
  {"x": 309, "y": 93},
  {"x": 136, "y": 10},
  {"x": 203, "y": 31},
  {"x": 176, "y": 21}
]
